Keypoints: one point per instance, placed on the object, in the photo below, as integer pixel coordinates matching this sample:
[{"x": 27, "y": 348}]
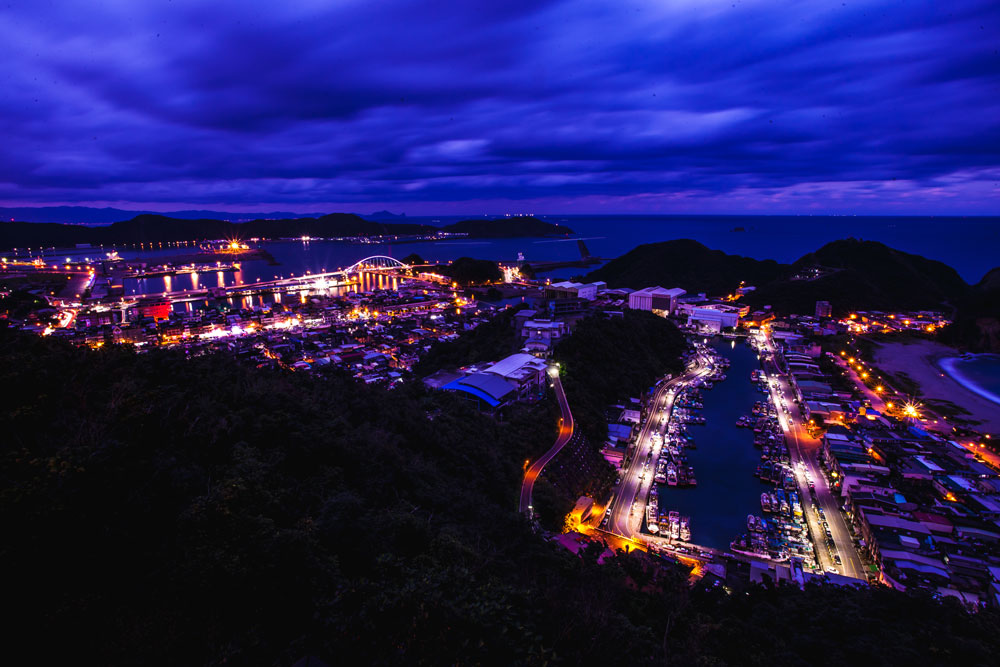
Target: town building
[
  {"x": 542, "y": 334},
  {"x": 486, "y": 391},
  {"x": 710, "y": 316},
  {"x": 568, "y": 290},
  {"x": 657, "y": 299},
  {"x": 525, "y": 372}
]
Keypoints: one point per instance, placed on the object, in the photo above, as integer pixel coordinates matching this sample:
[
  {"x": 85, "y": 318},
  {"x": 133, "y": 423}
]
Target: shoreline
[
  {"x": 922, "y": 362},
  {"x": 948, "y": 365}
]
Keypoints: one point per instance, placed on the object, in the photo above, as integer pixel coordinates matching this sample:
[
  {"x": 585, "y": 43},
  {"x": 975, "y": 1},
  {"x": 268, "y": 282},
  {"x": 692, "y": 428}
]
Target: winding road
[{"x": 565, "y": 433}]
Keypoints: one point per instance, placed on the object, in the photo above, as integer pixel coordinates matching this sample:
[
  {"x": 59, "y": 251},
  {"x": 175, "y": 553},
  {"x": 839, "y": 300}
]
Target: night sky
[{"x": 510, "y": 106}]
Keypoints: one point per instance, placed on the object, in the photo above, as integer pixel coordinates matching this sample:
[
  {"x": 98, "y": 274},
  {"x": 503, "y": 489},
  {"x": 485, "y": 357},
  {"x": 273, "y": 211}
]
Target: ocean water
[
  {"x": 979, "y": 373},
  {"x": 969, "y": 245}
]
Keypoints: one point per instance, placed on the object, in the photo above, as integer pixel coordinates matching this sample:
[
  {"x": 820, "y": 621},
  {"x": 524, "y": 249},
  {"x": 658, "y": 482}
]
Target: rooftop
[
  {"x": 512, "y": 365},
  {"x": 490, "y": 388}
]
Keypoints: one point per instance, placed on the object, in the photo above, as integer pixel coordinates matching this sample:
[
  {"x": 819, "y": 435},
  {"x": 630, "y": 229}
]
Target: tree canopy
[{"x": 163, "y": 510}]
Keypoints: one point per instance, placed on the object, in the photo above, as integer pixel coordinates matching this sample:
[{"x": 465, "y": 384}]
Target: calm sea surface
[{"x": 978, "y": 372}]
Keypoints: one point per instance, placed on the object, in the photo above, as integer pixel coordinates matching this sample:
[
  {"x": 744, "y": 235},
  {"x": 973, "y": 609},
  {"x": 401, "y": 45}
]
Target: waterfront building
[
  {"x": 710, "y": 316},
  {"x": 568, "y": 290},
  {"x": 158, "y": 309},
  {"x": 824, "y": 309},
  {"x": 657, "y": 299}
]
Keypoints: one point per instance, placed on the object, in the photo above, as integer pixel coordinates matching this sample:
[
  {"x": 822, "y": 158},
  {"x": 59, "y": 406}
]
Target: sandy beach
[{"x": 919, "y": 360}]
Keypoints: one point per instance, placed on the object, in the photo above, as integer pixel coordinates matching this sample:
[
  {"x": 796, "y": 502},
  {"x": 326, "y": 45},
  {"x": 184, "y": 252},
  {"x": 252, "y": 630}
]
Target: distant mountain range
[
  {"x": 384, "y": 215},
  {"x": 87, "y": 215},
  {"x": 153, "y": 228}
]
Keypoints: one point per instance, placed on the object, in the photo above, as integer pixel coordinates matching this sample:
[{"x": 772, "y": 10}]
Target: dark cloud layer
[{"x": 568, "y": 106}]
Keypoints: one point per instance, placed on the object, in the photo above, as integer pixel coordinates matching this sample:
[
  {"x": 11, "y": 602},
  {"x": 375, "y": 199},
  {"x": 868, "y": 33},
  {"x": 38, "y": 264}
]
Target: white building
[
  {"x": 542, "y": 334},
  {"x": 525, "y": 371},
  {"x": 569, "y": 289},
  {"x": 655, "y": 299},
  {"x": 714, "y": 317}
]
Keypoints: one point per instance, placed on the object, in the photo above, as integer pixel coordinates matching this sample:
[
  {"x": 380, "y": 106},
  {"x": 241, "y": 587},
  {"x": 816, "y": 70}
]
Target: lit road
[
  {"x": 804, "y": 452},
  {"x": 565, "y": 433},
  {"x": 635, "y": 480}
]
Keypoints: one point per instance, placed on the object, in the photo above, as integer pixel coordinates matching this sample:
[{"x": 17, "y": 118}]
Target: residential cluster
[
  {"x": 924, "y": 507},
  {"x": 376, "y": 335}
]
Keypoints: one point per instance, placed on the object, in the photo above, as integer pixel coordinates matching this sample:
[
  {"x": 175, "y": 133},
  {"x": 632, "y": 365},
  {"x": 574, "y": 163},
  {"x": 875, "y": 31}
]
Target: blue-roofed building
[
  {"x": 619, "y": 432},
  {"x": 488, "y": 392}
]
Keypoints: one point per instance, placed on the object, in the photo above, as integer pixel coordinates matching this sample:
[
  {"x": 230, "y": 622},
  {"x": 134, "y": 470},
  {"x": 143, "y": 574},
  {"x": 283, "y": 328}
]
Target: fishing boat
[{"x": 652, "y": 513}]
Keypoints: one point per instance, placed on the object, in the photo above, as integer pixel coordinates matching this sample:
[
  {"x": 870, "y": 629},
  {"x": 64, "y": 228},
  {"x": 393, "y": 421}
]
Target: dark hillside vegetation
[
  {"x": 607, "y": 360},
  {"x": 163, "y": 511},
  {"x": 976, "y": 327},
  {"x": 864, "y": 275},
  {"x": 687, "y": 264},
  {"x": 490, "y": 341},
  {"x": 468, "y": 271}
]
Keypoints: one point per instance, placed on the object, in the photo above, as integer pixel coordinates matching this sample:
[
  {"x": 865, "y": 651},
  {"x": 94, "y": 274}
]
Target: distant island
[
  {"x": 151, "y": 228},
  {"x": 507, "y": 228}
]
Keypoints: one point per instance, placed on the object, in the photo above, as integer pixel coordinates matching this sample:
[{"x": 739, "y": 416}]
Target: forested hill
[
  {"x": 688, "y": 264},
  {"x": 525, "y": 226},
  {"x": 608, "y": 360},
  {"x": 851, "y": 274},
  {"x": 159, "y": 510},
  {"x": 977, "y": 321},
  {"x": 865, "y": 275}
]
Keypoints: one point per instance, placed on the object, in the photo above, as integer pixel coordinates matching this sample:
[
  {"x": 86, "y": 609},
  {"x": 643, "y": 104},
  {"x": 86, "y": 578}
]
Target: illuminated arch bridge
[{"x": 376, "y": 262}]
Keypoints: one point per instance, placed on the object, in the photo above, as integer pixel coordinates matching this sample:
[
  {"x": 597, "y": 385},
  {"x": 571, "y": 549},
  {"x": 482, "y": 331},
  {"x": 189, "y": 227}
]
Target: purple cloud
[{"x": 458, "y": 107}]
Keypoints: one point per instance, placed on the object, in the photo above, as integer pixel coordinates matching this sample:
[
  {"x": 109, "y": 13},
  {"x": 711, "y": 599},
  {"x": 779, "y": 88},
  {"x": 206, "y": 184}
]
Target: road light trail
[
  {"x": 622, "y": 521},
  {"x": 804, "y": 451},
  {"x": 565, "y": 433}
]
